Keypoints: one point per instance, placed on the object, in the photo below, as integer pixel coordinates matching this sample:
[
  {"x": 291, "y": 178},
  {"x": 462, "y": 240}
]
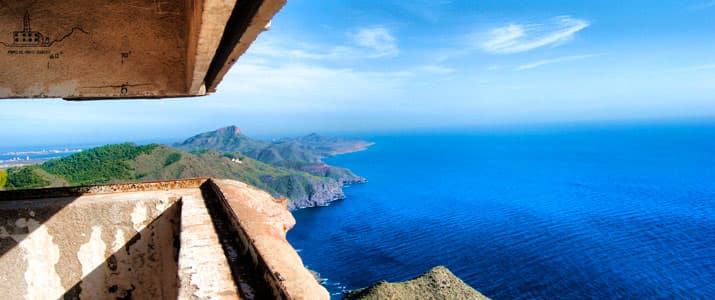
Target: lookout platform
[{"x": 183, "y": 239}]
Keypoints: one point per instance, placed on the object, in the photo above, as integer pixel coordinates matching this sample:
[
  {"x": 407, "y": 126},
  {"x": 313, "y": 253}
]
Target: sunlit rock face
[{"x": 438, "y": 283}]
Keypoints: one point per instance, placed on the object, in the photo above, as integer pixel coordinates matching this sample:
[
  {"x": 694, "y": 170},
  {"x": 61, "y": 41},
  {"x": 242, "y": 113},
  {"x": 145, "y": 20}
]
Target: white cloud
[
  {"x": 365, "y": 43},
  {"x": 305, "y": 87},
  {"x": 277, "y": 47},
  {"x": 516, "y": 38},
  {"x": 544, "y": 62},
  {"x": 377, "y": 39}
]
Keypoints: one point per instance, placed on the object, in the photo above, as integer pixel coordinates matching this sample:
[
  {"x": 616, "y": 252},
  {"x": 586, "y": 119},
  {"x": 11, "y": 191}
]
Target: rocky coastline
[{"x": 323, "y": 193}]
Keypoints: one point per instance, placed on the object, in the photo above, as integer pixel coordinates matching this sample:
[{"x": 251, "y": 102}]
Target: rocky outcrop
[
  {"x": 321, "y": 195},
  {"x": 302, "y": 154},
  {"x": 438, "y": 283}
]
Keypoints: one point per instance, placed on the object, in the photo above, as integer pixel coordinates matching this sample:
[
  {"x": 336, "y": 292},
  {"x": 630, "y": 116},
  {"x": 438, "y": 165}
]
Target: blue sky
[{"x": 342, "y": 66}]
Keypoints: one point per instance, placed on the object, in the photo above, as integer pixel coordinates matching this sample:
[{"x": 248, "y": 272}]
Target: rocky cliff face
[
  {"x": 438, "y": 283},
  {"x": 289, "y": 168},
  {"x": 321, "y": 195},
  {"x": 302, "y": 154}
]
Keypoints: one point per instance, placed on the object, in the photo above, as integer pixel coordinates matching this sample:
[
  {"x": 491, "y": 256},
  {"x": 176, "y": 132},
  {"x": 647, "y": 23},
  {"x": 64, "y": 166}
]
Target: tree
[
  {"x": 25, "y": 178},
  {"x": 3, "y": 178}
]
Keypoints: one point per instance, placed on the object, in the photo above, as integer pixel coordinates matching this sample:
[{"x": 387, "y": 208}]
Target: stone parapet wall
[{"x": 187, "y": 239}]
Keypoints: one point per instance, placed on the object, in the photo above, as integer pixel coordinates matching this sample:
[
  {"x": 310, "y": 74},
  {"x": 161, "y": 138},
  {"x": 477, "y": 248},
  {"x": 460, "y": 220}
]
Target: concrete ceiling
[{"x": 107, "y": 49}]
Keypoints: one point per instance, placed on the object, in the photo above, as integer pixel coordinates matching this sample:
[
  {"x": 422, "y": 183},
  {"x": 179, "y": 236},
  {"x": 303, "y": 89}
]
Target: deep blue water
[{"x": 614, "y": 212}]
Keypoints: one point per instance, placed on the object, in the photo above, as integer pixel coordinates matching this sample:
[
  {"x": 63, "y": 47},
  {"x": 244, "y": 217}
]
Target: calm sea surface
[{"x": 617, "y": 212}]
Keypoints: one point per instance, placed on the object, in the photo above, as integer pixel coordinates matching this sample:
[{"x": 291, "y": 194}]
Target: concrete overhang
[{"x": 107, "y": 49}]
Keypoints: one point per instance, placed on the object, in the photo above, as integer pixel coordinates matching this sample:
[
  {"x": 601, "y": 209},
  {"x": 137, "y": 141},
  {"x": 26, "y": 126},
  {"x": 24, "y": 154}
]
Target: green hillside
[
  {"x": 227, "y": 139},
  {"x": 291, "y": 168},
  {"x": 307, "y": 149},
  {"x": 3, "y": 178},
  {"x": 303, "y": 154},
  {"x": 129, "y": 162}
]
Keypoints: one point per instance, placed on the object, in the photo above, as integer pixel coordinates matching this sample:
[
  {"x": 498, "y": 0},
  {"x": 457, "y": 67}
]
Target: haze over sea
[{"x": 622, "y": 211}]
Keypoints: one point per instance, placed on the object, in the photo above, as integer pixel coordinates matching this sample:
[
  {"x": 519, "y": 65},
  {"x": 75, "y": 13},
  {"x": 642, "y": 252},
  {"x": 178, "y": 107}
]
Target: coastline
[
  {"x": 331, "y": 191},
  {"x": 364, "y": 147}
]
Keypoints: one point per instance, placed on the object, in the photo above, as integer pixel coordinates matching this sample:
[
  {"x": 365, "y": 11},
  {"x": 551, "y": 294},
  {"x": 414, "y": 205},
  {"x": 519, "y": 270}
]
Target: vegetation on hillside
[
  {"x": 3, "y": 178},
  {"x": 290, "y": 168},
  {"x": 302, "y": 154},
  {"x": 172, "y": 158},
  {"x": 99, "y": 165},
  {"x": 438, "y": 283},
  {"x": 228, "y": 139},
  {"x": 129, "y": 162},
  {"x": 311, "y": 148},
  {"x": 275, "y": 180},
  {"x": 25, "y": 178}
]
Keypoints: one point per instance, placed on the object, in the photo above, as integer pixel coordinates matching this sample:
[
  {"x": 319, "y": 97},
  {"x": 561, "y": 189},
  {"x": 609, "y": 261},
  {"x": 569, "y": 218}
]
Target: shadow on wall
[
  {"x": 145, "y": 267},
  {"x": 123, "y": 241},
  {"x": 17, "y": 222},
  {"x": 243, "y": 265},
  {"x": 55, "y": 243},
  {"x": 24, "y": 211}
]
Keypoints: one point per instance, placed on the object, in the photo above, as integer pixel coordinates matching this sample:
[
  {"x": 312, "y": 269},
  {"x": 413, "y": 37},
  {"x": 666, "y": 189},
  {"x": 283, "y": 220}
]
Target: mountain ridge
[{"x": 292, "y": 171}]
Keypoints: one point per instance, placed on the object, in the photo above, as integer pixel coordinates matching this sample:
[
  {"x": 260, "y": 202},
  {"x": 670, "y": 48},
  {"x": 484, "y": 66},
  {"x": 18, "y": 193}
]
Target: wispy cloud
[
  {"x": 516, "y": 38},
  {"x": 707, "y": 67},
  {"x": 301, "y": 51},
  {"x": 329, "y": 75},
  {"x": 364, "y": 43},
  {"x": 378, "y": 39},
  {"x": 550, "y": 61},
  {"x": 310, "y": 88}
]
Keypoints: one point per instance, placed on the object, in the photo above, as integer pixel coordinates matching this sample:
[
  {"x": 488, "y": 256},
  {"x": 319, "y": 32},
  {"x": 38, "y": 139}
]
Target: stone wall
[
  {"x": 100, "y": 246},
  {"x": 186, "y": 239}
]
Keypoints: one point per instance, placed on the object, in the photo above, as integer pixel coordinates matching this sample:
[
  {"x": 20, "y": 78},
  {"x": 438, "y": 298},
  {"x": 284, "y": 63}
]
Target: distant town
[{"x": 25, "y": 158}]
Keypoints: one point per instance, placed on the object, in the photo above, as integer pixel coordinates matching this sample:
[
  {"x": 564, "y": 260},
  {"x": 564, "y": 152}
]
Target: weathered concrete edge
[
  {"x": 240, "y": 33},
  {"x": 283, "y": 288},
  {"x": 60, "y": 192}
]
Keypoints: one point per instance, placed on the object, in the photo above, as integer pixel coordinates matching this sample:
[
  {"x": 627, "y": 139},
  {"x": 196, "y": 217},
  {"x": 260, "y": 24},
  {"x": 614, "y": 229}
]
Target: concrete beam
[{"x": 96, "y": 49}]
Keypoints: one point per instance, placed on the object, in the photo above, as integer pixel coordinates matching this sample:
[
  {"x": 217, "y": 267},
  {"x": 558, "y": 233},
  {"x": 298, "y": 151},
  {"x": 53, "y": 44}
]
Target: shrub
[
  {"x": 25, "y": 178},
  {"x": 98, "y": 165},
  {"x": 172, "y": 158},
  {"x": 3, "y": 178}
]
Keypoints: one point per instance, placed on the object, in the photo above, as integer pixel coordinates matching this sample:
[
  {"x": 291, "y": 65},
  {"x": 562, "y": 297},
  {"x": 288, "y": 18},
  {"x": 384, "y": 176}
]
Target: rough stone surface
[
  {"x": 97, "y": 246},
  {"x": 118, "y": 49},
  {"x": 265, "y": 221},
  {"x": 202, "y": 262},
  {"x": 438, "y": 283},
  {"x": 155, "y": 240}
]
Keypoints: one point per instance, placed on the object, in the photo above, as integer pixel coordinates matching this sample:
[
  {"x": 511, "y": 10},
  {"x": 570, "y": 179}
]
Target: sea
[
  {"x": 13, "y": 156},
  {"x": 619, "y": 211}
]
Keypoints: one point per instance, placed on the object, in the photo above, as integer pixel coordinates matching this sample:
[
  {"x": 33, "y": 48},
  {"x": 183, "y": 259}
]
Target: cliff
[
  {"x": 302, "y": 154},
  {"x": 305, "y": 184},
  {"x": 438, "y": 283}
]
